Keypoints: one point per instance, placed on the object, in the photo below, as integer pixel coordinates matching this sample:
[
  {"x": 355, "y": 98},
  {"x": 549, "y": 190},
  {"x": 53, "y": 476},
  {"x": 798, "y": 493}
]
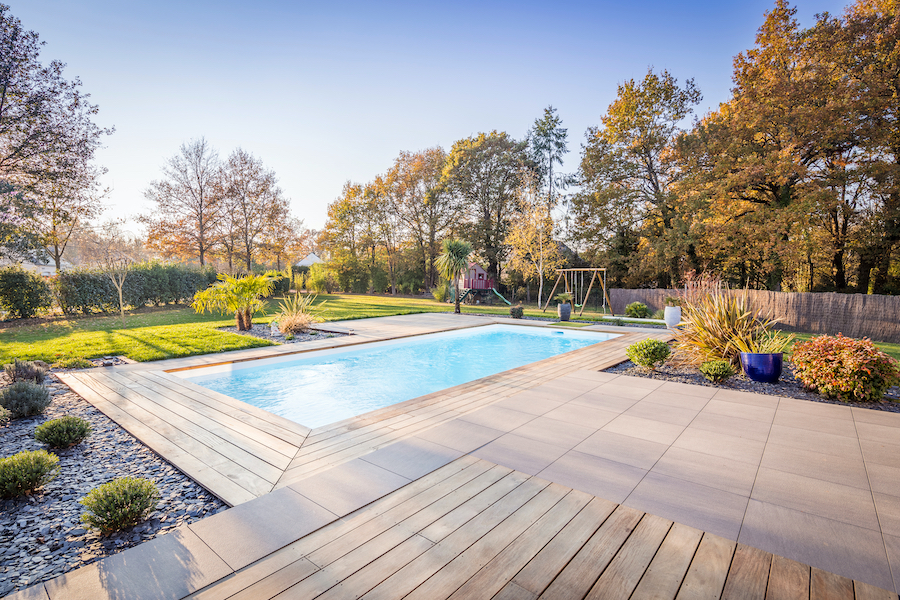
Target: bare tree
[
  {"x": 110, "y": 254},
  {"x": 188, "y": 208}
]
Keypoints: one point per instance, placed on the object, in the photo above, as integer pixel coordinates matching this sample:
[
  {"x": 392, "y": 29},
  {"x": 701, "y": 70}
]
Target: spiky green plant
[
  {"x": 453, "y": 262},
  {"x": 297, "y": 313},
  {"x": 240, "y": 295}
]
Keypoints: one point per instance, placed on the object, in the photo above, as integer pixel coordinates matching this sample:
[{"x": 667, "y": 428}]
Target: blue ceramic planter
[{"x": 764, "y": 368}]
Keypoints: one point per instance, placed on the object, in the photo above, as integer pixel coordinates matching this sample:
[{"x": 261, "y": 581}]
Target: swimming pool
[{"x": 325, "y": 386}]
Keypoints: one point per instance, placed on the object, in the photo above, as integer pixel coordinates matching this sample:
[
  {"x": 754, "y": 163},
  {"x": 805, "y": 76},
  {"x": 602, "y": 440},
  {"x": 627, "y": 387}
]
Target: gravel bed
[
  {"x": 265, "y": 332},
  {"x": 42, "y": 536},
  {"x": 786, "y": 387}
]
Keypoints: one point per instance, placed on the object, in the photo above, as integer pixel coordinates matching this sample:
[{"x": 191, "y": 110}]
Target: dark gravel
[
  {"x": 787, "y": 387},
  {"x": 265, "y": 332},
  {"x": 41, "y": 535}
]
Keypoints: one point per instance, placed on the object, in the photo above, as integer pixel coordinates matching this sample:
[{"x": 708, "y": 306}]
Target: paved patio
[{"x": 815, "y": 483}]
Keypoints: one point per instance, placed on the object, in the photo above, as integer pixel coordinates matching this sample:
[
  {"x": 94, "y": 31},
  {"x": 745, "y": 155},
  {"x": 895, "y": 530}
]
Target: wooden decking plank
[
  {"x": 578, "y": 577},
  {"x": 241, "y": 580},
  {"x": 621, "y": 577},
  {"x": 865, "y": 591},
  {"x": 511, "y": 591},
  {"x": 219, "y": 485},
  {"x": 412, "y": 575},
  {"x": 453, "y": 575},
  {"x": 749, "y": 574},
  {"x": 240, "y": 426},
  {"x": 705, "y": 577},
  {"x": 183, "y": 440},
  {"x": 788, "y": 580},
  {"x": 668, "y": 568},
  {"x": 829, "y": 586},
  {"x": 282, "y": 579},
  {"x": 500, "y": 570},
  {"x": 541, "y": 570},
  {"x": 211, "y": 439}
]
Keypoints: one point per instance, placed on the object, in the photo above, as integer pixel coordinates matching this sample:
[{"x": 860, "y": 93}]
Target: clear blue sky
[{"x": 325, "y": 92}]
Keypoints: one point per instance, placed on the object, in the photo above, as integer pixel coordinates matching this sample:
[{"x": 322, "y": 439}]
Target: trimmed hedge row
[{"x": 91, "y": 290}]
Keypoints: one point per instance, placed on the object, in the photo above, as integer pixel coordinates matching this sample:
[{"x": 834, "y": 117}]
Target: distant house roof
[
  {"x": 47, "y": 269},
  {"x": 309, "y": 260}
]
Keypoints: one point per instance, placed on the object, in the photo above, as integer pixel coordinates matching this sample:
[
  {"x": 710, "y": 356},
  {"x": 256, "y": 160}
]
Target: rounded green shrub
[
  {"x": 25, "y": 370},
  {"x": 516, "y": 312},
  {"x": 845, "y": 368},
  {"x": 648, "y": 353},
  {"x": 120, "y": 503},
  {"x": 23, "y": 293},
  {"x": 24, "y": 399},
  {"x": 717, "y": 371},
  {"x": 63, "y": 432},
  {"x": 26, "y": 471},
  {"x": 637, "y": 310}
]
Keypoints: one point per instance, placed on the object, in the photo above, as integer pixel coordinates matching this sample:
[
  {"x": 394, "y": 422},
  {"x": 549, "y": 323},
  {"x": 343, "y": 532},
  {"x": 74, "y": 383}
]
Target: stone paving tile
[
  {"x": 170, "y": 566},
  {"x": 881, "y": 453},
  {"x": 344, "y": 488},
  {"x": 695, "y": 403},
  {"x": 552, "y": 431},
  {"x": 582, "y": 415},
  {"x": 597, "y": 376},
  {"x": 804, "y": 439},
  {"x": 520, "y": 453},
  {"x": 460, "y": 435},
  {"x": 879, "y": 417},
  {"x": 714, "y": 471},
  {"x": 700, "y": 506},
  {"x": 746, "y": 398},
  {"x": 645, "y": 429},
  {"x": 602, "y": 401},
  {"x": 884, "y": 479},
  {"x": 701, "y": 391},
  {"x": 818, "y": 409},
  {"x": 823, "y": 498},
  {"x": 878, "y": 433},
  {"x": 623, "y": 448},
  {"x": 721, "y": 444},
  {"x": 527, "y": 402},
  {"x": 888, "y": 508},
  {"x": 502, "y": 419},
  {"x": 736, "y": 426},
  {"x": 845, "y": 470},
  {"x": 250, "y": 531},
  {"x": 834, "y": 546},
  {"x": 597, "y": 476},
  {"x": 639, "y": 382},
  {"x": 648, "y": 409},
  {"x": 413, "y": 457},
  {"x": 35, "y": 592},
  {"x": 743, "y": 411},
  {"x": 622, "y": 389},
  {"x": 892, "y": 544},
  {"x": 817, "y": 423}
]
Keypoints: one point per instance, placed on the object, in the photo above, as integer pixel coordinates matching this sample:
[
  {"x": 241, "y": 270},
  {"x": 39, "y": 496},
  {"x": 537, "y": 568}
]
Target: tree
[
  {"x": 286, "y": 239},
  {"x": 112, "y": 257},
  {"x": 252, "y": 204},
  {"x": 485, "y": 172},
  {"x": 242, "y": 296},
  {"x": 188, "y": 205},
  {"x": 547, "y": 141},
  {"x": 454, "y": 262},
  {"x": 534, "y": 252},
  {"x": 17, "y": 240}
]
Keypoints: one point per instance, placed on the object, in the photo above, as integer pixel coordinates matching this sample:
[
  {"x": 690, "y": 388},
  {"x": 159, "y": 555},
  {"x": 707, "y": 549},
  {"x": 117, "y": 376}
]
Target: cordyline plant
[
  {"x": 240, "y": 295},
  {"x": 845, "y": 368}
]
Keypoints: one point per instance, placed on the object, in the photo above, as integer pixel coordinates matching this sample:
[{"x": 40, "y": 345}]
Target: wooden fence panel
[{"x": 854, "y": 315}]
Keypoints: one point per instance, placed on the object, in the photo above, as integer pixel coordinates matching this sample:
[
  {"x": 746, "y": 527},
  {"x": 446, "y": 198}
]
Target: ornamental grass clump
[
  {"x": 717, "y": 371},
  {"x": 25, "y": 370},
  {"x": 648, "y": 353},
  {"x": 297, "y": 314},
  {"x": 845, "y": 368},
  {"x": 63, "y": 432},
  {"x": 120, "y": 503},
  {"x": 26, "y": 471},
  {"x": 24, "y": 399}
]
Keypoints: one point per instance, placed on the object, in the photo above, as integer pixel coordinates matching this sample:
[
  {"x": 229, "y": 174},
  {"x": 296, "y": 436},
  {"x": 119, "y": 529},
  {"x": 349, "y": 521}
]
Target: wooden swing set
[{"x": 571, "y": 279}]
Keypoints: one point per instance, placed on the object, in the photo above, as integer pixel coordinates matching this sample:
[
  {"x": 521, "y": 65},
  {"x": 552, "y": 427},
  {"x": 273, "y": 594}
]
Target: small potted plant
[
  {"x": 672, "y": 313},
  {"x": 762, "y": 357},
  {"x": 564, "y": 306}
]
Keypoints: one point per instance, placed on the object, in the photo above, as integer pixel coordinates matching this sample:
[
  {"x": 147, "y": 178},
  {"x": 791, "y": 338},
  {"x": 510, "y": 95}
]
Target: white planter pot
[{"x": 672, "y": 316}]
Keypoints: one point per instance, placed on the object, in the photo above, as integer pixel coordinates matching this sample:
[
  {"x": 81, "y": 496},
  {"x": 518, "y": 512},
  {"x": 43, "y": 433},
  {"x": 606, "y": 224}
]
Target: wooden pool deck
[{"x": 551, "y": 481}]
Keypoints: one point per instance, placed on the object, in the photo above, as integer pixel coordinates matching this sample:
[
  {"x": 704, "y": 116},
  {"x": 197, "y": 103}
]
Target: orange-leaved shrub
[{"x": 845, "y": 368}]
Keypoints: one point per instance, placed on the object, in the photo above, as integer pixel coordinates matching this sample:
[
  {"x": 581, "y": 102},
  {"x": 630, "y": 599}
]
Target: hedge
[{"x": 91, "y": 290}]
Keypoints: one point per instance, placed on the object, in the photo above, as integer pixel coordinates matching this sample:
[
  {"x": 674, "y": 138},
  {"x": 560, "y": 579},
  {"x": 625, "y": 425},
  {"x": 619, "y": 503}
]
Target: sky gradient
[{"x": 328, "y": 92}]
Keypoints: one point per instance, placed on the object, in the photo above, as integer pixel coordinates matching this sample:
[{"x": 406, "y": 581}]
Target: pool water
[{"x": 331, "y": 385}]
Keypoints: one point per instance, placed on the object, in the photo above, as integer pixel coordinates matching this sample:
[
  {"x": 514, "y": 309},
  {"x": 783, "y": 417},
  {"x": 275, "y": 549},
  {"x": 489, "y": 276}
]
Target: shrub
[
  {"x": 63, "y": 432},
  {"x": 321, "y": 279},
  {"x": 441, "y": 292},
  {"x": 120, "y": 503},
  {"x": 716, "y": 327},
  {"x": 297, "y": 313},
  {"x": 845, "y": 368},
  {"x": 23, "y": 293},
  {"x": 516, "y": 312},
  {"x": 4, "y": 416},
  {"x": 73, "y": 363},
  {"x": 26, "y": 471},
  {"x": 24, "y": 399},
  {"x": 647, "y": 353},
  {"x": 717, "y": 371},
  {"x": 659, "y": 315},
  {"x": 25, "y": 370},
  {"x": 637, "y": 310}
]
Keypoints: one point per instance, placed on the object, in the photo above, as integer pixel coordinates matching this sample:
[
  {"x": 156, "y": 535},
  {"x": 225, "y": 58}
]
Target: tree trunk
[
  {"x": 838, "y": 273},
  {"x": 864, "y": 274}
]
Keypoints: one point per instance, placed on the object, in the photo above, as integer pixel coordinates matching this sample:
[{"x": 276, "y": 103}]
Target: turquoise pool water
[{"x": 330, "y": 385}]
